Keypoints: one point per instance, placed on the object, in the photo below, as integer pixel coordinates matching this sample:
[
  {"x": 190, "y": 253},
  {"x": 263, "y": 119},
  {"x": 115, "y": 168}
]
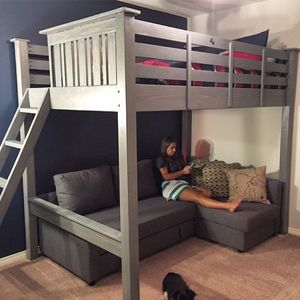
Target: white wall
[{"x": 251, "y": 136}]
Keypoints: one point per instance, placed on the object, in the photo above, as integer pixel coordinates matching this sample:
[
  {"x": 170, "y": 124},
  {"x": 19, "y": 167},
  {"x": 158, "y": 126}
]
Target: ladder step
[
  {"x": 2, "y": 182},
  {"x": 14, "y": 144},
  {"x": 32, "y": 110}
]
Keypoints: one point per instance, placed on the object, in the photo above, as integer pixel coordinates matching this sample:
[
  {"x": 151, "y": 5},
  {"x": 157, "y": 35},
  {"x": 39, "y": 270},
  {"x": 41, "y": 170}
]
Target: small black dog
[{"x": 175, "y": 288}]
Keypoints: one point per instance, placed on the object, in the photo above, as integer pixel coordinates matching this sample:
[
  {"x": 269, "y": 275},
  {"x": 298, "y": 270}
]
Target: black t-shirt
[{"x": 174, "y": 164}]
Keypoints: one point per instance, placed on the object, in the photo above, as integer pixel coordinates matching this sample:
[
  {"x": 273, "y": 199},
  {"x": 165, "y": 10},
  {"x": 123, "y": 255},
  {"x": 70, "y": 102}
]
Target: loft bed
[{"x": 95, "y": 65}]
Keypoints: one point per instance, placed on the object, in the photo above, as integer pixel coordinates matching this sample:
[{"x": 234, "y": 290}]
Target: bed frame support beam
[{"x": 287, "y": 138}]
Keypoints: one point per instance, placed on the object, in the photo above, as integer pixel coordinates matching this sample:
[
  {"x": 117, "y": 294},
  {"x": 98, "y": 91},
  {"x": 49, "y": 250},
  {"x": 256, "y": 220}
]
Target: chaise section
[{"x": 249, "y": 225}]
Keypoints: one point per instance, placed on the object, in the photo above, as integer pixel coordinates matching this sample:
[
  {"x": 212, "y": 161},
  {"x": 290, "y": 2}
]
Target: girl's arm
[{"x": 174, "y": 175}]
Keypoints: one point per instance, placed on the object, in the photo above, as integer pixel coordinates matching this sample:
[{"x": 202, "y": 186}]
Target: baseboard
[
  {"x": 294, "y": 231},
  {"x": 13, "y": 258}
]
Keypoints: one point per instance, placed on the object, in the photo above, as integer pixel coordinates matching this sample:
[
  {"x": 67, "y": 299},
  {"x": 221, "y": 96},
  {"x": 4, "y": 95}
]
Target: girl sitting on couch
[{"x": 176, "y": 180}]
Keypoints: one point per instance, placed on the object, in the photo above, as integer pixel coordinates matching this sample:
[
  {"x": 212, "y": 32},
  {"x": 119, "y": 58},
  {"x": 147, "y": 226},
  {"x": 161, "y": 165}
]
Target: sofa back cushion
[
  {"x": 85, "y": 191},
  {"x": 147, "y": 186}
]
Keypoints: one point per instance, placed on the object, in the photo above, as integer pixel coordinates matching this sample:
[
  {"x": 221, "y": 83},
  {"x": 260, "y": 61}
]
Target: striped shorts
[{"x": 172, "y": 189}]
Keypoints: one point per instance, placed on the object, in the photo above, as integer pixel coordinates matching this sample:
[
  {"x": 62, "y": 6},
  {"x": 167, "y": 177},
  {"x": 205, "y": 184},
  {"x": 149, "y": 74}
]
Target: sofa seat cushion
[
  {"x": 246, "y": 218},
  {"x": 155, "y": 215}
]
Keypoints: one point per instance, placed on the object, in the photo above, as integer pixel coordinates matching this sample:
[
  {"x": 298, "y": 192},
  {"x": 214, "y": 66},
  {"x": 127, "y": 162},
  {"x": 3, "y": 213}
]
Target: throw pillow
[
  {"x": 214, "y": 177},
  {"x": 85, "y": 191},
  {"x": 248, "y": 184}
]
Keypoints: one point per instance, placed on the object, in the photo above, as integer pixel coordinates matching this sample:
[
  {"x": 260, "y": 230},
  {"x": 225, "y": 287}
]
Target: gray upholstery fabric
[
  {"x": 246, "y": 218},
  {"x": 85, "y": 191},
  {"x": 155, "y": 215},
  {"x": 147, "y": 186}
]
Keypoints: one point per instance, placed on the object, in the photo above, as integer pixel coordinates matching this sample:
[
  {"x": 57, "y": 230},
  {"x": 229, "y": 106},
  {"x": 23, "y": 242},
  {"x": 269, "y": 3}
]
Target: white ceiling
[{"x": 189, "y": 8}]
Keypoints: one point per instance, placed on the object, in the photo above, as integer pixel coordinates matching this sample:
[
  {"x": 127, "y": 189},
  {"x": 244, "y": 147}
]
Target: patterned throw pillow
[
  {"x": 248, "y": 184},
  {"x": 214, "y": 177},
  {"x": 211, "y": 175}
]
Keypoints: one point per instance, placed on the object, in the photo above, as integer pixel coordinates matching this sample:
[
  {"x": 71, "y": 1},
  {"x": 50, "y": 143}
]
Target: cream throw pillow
[{"x": 248, "y": 184}]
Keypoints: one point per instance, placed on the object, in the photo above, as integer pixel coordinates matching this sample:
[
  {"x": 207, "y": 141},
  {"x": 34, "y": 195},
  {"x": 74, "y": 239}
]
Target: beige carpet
[{"x": 269, "y": 271}]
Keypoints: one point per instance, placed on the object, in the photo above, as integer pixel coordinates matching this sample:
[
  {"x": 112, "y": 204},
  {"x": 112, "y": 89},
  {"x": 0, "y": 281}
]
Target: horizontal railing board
[
  {"x": 209, "y": 76},
  {"x": 207, "y": 98},
  {"x": 38, "y": 50},
  {"x": 94, "y": 98},
  {"x": 96, "y": 233},
  {"x": 201, "y": 39},
  {"x": 275, "y": 53},
  {"x": 159, "y": 31},
  {"x": 210, "y": 98},
  {"x": 274, "y": 67},
  {"x": 160, "y": 52},
  {"x": 209, "y": 59},
  {"x": 160, "y": 97},
  {"x": 274, "y": 97},
  {"x": 143, "y": 71},
  {"x": 36, "y": 64},
  {"x": 256, "y": 79},
  {"x": 39, "y": 79},
  {"x": 77, "y": 33}
]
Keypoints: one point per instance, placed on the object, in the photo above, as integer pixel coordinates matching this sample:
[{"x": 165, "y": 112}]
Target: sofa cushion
[
  {"x": 246, "y": 218},
  {"x": 248, "y": 184},
  {"x": 85, "y": 191},
  {"x": 154, "y": 215},
  {"x": 147, "y": 186}
]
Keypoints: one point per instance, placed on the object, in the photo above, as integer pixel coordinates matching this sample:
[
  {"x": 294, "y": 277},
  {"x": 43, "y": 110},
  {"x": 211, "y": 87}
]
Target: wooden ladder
[{"x": 32, "y": 111}]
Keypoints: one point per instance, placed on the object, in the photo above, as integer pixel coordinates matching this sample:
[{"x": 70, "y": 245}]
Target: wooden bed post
[
  {"x": 186, "y": 115},
  {"x": 286, "y": 139},
  {"x": 23, "y": 82},
  {"x": 127, "y": 154}
]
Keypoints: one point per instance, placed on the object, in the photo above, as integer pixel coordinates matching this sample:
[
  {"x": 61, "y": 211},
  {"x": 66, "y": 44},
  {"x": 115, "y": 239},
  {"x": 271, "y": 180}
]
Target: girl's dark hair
[{"x": 165, "y": 143}]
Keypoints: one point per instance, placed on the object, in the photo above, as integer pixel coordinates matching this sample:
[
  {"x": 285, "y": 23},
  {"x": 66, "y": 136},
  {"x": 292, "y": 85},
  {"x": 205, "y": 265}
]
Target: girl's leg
[
  {"x": 204, "y": 191},
  {"x": 194, "y": 195}
]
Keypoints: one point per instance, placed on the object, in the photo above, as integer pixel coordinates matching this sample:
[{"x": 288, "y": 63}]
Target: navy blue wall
[{"x": 70, "y": 140}]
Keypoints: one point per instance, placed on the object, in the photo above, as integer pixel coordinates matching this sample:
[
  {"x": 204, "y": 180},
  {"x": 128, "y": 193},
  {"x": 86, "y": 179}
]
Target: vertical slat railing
[
  {"x": 262, "y": 77},
  {"x": 230, "y": 75}
]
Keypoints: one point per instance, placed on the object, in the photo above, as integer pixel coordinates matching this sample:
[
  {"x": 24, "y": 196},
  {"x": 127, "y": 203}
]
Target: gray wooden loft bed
[{"x": 95, "y": 65}]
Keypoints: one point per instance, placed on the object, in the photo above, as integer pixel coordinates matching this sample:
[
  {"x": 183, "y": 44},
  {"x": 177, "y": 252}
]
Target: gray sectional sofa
[{"x": 161, "y": 223}]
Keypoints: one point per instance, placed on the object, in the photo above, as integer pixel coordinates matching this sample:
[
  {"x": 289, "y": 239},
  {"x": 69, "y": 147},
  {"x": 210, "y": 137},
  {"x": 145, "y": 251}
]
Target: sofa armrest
[{"x": 274, "y": 191}]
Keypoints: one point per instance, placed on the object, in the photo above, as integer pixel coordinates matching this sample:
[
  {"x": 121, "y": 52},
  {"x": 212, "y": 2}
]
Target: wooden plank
[
  {"x": 85, "y": 98},
  {"x": 210, "y": 59},
  {"x": 201, "y": 39},
  {"x": 209, "y": 76},
  {"x": 88, "y": 61},
  {"x": 160, "y": 97},
  {"x": 57, "y": 65},
  {"x": 39, "y": 79},
  {"x": 160, "y": 52},
  {"x": 256, "y": 79},
  {"x": 127, "y": 157},
  {"x": 159, "y": 31},
  {"x": 281, "y": 54},
  {"x": 82, "y": 67},
  {"x": 37, "y": 64},
  {"x": 96, "y": 66},
  {"x": 111, "y": 58},
  {"x": 104, "y": 59},
  {"x": 2, "y": 182},
  {"x": 76, "y": 66},
  {"x": 275, "y": 97},
  {"x": 38, "y": 50},
  {"x": 208, "y": 98},
  {"x": 85, "y": 32},
  {"x": 144, "y": 71},
  {"x": 69, "y": 64},
  {"x": 63, "y": 64},
  {"x": 93, "y": 232}
]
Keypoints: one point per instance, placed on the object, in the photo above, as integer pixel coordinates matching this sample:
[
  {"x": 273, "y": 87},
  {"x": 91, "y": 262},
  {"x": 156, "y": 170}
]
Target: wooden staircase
[{"x": 33, "y": 110}]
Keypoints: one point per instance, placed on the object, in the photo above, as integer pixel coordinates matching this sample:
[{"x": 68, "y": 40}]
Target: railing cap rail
[{"x": 88, "y": 20}]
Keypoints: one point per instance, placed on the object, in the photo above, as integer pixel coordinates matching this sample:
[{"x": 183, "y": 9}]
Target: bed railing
[{"x": 84, "y": 52}]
